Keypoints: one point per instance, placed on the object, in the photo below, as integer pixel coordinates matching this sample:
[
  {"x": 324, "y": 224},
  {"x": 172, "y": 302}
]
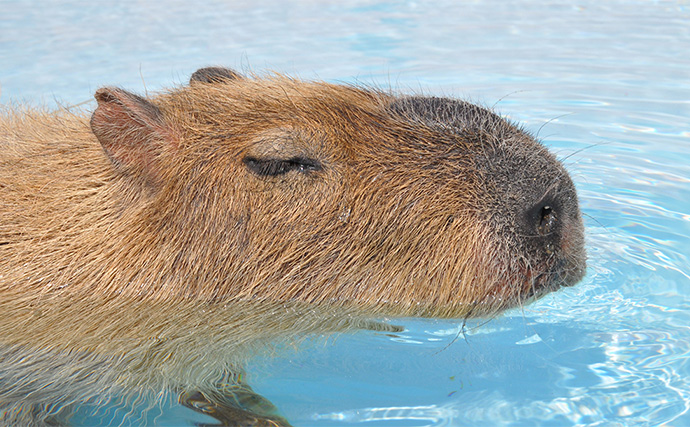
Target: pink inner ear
[{"x": 132, "y": 132}]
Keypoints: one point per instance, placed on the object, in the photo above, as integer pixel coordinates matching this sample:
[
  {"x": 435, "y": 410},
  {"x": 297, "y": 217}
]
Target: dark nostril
[{"x": 547, "y": 221}]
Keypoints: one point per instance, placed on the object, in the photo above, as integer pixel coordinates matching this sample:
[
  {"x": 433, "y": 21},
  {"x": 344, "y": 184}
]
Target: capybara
[{"x": 159, "y": 242}]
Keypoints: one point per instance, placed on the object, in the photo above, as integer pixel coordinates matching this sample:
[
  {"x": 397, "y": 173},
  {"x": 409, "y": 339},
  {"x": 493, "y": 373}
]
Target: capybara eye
[{"x": 275, "y": 167}]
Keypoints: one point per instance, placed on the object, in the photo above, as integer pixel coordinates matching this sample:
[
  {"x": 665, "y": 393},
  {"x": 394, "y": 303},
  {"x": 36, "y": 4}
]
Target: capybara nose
[
  {"x": 543, "y": 218},
  {"x": 549, "y": 215},
  {"x": 543, "y": 224}
]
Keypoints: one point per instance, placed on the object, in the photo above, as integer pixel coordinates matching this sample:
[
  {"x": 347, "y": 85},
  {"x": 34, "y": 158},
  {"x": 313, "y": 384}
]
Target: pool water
[{"x": 606, "y": 85}]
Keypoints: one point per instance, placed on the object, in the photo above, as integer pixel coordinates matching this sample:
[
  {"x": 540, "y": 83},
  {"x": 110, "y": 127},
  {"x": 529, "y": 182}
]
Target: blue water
[{"x": 605, "y": 84}]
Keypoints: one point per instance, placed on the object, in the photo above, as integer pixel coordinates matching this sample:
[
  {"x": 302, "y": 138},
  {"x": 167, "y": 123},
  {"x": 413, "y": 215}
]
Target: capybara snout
[
  {"x": 525, "y": 216},
  {"x": 155, "y": 244}
]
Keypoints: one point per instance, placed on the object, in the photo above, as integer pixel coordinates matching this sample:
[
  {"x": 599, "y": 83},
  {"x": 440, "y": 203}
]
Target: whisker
[
  {"x": 585, "y": 148},
  {"x": 549, "y": 121}
]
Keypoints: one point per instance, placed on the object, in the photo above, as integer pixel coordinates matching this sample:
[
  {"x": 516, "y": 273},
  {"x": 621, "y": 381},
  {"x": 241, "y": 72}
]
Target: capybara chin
[{"x": 160, "y": 242}]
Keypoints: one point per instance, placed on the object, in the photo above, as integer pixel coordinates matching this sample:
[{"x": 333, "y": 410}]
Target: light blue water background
[{"x": 605, "y": 83}]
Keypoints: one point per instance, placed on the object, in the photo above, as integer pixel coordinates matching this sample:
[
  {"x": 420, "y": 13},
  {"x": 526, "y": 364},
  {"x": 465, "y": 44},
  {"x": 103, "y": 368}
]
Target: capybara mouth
[{"x": 525, "y": 284}]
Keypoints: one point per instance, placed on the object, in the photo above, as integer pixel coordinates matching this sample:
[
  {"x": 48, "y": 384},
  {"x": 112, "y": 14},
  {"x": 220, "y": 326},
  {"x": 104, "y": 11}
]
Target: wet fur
[{"x": 127, "y": 270}]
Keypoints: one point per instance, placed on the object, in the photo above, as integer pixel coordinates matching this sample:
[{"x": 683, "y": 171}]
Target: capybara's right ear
[
  {"x": 132, "y": 132},
  {"x": 214, "y": 75}
]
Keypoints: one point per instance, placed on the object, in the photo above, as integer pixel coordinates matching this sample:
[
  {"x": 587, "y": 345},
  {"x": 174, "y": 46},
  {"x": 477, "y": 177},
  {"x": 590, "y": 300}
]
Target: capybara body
[{"x": 157, "y": 243}]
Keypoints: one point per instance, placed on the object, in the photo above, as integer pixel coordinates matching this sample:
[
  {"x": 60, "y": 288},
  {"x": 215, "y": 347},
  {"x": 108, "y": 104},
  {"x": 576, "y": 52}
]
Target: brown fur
[{"x": 158, "y": 258}]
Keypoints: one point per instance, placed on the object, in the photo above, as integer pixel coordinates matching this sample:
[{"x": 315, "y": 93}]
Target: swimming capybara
[{"x": 158, "y": 243}]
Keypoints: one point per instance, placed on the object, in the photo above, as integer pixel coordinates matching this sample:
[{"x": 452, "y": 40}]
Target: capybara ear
[
  {"x": 214, "y": 75},
  {"x": 132, "y": 132}
]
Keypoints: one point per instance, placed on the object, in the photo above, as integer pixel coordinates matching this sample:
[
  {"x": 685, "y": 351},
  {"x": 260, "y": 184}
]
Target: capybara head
[{"x": 253, "y": 189}]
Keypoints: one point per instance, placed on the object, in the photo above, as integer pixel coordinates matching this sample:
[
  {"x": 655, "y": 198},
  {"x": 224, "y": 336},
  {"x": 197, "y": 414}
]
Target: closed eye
[{"x": 275, "y": 167}]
